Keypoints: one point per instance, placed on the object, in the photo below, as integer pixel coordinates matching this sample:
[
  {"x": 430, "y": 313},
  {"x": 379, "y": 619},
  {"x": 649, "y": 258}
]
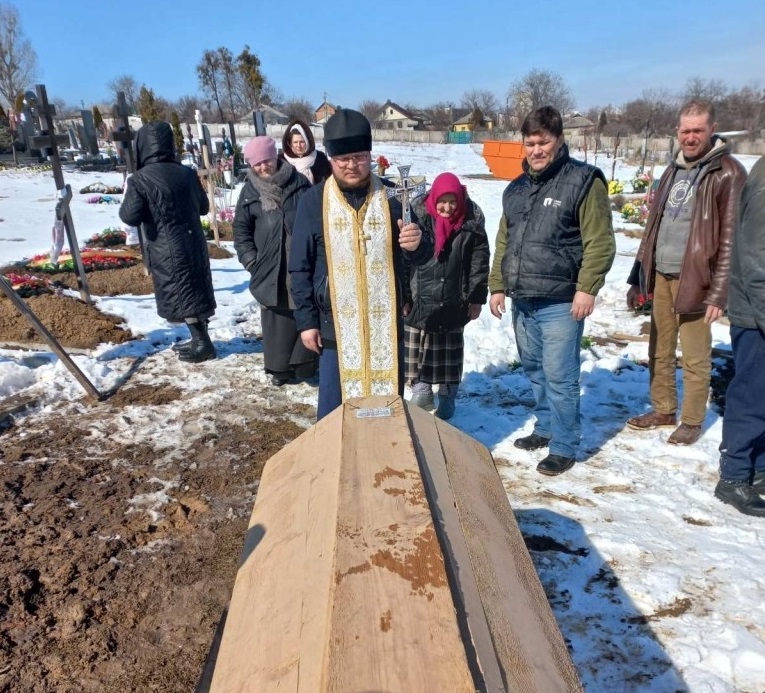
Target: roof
[
  {"x": 578, "y": 121},
  {"x": 467, "y": 119},
  {"x": 400, "y": 109}
]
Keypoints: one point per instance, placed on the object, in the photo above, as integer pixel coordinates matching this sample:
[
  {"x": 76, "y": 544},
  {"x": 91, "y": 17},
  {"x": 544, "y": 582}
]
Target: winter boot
[
  {"x": 758, "y": 482},
  {"x": 741, "y": 496},
  {"x": 447, "y": 394},
  {"x": 422, "y": 396},
  {"x": 183, "y": 346},
  {"x": 200, "y": 347}
]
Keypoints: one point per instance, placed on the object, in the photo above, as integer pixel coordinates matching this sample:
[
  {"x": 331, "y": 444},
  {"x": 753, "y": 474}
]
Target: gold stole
[{"x": 359, "y": 247}]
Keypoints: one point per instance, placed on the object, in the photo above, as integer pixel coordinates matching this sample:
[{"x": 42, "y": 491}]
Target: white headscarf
[{"x": 303, "y": 164}]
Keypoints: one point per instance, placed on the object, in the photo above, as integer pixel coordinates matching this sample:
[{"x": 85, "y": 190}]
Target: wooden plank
[
  {"x": 393, "y": 626},
  {"x": 526, "y": 636},
  {"x": 467, "y": 599},
  {"x": 278, "y": 616},
  {"x": 17, "y": 403}
]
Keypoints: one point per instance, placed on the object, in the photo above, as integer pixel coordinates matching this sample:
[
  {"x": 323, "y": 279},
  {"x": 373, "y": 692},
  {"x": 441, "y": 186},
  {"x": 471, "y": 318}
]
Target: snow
[{"x": 656, "y": 585}]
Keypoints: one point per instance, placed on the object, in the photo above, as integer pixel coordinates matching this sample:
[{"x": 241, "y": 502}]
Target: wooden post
[
  {"x": 49, "y": 140},
  {"x": 124, "y": 136},
  {"x": 206, "y": 174},
  {"x": 613, "y": 163},
  {"x": 54, "y": 344}
]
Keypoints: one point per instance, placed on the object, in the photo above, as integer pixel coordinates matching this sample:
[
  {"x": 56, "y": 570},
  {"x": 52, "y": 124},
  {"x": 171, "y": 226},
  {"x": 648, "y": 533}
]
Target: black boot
[
  {"x": 741, "y": 496},
  {"x": 200, "y": 347},
  {"x": 758, "y": 482},
  {"x": 183, "y": 346}
]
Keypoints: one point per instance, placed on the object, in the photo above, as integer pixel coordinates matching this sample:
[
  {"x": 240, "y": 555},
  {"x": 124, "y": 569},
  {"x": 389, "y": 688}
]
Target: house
[
  {"x": 576, "y": 124},
  {"x": 468, "y": 123},
  {"x": 323, "y": 112},
  {"x": 393, "y": 117}
]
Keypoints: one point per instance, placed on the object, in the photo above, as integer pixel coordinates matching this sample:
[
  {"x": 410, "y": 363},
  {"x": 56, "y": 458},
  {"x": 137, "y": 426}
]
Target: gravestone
[
  {"x": 81, "y": 138},
  {"x": 91, "y": 138},
  {"x": 73, "y": 144}
]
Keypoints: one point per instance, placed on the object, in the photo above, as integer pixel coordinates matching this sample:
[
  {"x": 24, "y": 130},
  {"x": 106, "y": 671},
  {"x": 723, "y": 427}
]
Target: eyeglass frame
[{"x": 345, "y": 160}]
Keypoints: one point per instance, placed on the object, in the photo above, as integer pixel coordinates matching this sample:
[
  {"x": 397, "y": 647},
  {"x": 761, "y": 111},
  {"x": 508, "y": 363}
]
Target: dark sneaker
[
  {"x": 651, "y": 420},
  {"x": 552, "y": 465},
  {"x": 531, "y": 442},
  {"x": 741, "y": 496},
  {"x": 758, "y": 482},
  {"x": 685, "y": 434}
]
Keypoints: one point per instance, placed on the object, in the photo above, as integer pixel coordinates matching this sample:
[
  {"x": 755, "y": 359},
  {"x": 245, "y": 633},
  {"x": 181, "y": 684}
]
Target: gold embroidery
[{"x": 359, "y": 248}]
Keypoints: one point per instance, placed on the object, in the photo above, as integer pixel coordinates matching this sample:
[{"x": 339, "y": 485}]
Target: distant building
[
  {"x": 323, "y": 112},
  {"x": 393, "y": 117},
  {"x": 468, "y": 123},
  {"x": 576, "y": 124}
]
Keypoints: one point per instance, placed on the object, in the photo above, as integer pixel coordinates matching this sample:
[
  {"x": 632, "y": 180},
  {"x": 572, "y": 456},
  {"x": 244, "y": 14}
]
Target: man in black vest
[{"x": 554, "y": 247}]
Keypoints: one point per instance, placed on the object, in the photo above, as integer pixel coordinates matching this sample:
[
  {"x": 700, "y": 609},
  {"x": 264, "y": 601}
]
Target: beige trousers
[{"x": 696, "y": 355}]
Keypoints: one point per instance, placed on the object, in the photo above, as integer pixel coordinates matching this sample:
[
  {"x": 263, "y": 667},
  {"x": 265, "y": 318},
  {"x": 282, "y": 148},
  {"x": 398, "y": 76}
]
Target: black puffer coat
[
  {"x": 443, "y": 287},
  {"x": 262, "y": 238},
  {"x": 166, "y": 199}
]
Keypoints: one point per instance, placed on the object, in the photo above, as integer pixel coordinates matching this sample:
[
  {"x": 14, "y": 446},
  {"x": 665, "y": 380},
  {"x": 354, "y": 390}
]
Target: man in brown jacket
[{"x": 684, "y": 262}]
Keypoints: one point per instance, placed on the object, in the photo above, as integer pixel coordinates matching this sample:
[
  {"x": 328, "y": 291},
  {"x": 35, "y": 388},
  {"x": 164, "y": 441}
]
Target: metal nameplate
[{"x": 374, "y": 413}]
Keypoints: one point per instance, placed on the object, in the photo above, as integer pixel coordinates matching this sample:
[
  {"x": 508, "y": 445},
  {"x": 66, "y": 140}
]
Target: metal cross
[{"x": 406, "y": 192}]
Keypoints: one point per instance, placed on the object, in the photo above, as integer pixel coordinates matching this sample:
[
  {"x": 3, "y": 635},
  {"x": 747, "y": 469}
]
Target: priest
[{"x": 348, "y": 269}]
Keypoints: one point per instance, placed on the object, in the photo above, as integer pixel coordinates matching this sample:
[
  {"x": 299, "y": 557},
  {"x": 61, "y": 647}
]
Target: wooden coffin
[{"x": 383, "y": 557}]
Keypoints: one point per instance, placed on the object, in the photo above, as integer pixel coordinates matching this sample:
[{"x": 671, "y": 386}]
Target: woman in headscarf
[
  {"x": 265, "y": 214},
  {"x": 447, "y": 292},
  {"x": 299, "y": 149},
  {"x": 166, "y": 199}
]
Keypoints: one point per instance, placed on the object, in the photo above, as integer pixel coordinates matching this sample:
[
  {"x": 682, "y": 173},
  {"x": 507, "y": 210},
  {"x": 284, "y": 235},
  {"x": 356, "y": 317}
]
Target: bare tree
[
  {"x": 440, "y": 115},
  {"x": 127, "y": 85},
  {"x": 482, "y": 100},
  {"x": 371, "y": 109},
  {"x": 298, "y": 108},
  {"x": 18, "y": 60},
  {"x": 271, "y": 94},
  {"x": 230, "y": 80},
  {"x": 714, "y": 90},
  {"x": 187, "y": 106},
  {"x": 654, "y": 113},
  {"x": 209, "y": 74},
  {"x": 536, "y": 89}
]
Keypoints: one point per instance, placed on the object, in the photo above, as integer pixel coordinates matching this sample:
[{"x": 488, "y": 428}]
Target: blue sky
[{"x": 418, "y": 52}]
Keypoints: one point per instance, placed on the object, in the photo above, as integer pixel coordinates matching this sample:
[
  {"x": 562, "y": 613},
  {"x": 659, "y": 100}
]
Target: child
[{"x": 447, "y": 292}]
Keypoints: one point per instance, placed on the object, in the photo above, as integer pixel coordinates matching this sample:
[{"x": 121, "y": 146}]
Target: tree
[
  {"x": 187, "y": 106},
  {"x": 177, "y": 133},
  {"x": 440, "y": 115},
  {"x": 536, "y": 89},
  {"x": 150, "y": 108},
  {"x": 655, "y": 113},
  {"x": 208, "y": 72},
  {"x": 371, "y": 109},
  {"x": 298, "y": 108},
  {"x": 230, "y": 80},
  {"x": 253, "y": 82},
  {"x": 714, "y": 90},
  {"x": 477, "y": 118},
  {"x": 271, "y": 94},
  {"x": 127, "y": 85},
  {"x": 97, "y": 118},
  {"x": 480, "y": 100},
  {"x": 18, "y": 60}
]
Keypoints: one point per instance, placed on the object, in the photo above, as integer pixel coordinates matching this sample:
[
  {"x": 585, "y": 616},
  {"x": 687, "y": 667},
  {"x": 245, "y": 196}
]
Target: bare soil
[{"x": 119, "y": 549}]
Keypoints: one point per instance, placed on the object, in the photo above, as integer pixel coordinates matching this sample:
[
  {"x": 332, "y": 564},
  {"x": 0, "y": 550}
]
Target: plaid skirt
[{"x": 433, "y": 357}]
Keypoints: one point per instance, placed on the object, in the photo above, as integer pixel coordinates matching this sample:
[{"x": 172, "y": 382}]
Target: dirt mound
[
  {"x": 117, "y": 559},
  {"x": 111, "y": 282},
  {"x": 217, "y": 253},
  {"x": 73, "y": 322}
]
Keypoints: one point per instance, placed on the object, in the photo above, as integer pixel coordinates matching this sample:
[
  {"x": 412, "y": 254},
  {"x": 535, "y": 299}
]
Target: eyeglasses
[{"x": 348, "y": 159}]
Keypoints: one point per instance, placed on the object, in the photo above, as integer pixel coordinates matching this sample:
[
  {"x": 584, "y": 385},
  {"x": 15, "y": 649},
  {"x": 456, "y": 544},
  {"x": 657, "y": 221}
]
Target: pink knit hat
[{"x": 258, "y": 149}]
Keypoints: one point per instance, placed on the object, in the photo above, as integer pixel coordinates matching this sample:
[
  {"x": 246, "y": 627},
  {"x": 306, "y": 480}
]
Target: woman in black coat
[
  {"x": 265, "y": 214},
  {"x": 166, "y": 199},
  {"x": 299, "y": 149}
]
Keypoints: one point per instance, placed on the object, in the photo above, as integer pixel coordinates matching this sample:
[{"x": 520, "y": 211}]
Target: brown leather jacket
[{"x": 706, "y": 262}]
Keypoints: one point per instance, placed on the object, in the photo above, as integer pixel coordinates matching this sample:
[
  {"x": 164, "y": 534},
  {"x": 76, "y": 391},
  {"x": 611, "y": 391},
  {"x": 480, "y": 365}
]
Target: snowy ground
[{"x": 656, "y": 585}]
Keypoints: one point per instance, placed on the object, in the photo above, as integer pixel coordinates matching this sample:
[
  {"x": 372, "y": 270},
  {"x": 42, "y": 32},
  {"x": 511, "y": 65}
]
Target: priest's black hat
[{"x": 347, "y": 131}]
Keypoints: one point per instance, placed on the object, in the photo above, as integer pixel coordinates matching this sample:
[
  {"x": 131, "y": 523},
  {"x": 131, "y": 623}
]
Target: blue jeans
[
  {"x": 549, "y": 340},
  {"x": 742, "y": 451}
]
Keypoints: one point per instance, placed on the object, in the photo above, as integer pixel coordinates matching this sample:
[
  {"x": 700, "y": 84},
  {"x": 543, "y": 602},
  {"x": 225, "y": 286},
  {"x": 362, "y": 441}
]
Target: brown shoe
[
  {"x": 651, "y": 420},
  {"x": 685, "y": 434}
]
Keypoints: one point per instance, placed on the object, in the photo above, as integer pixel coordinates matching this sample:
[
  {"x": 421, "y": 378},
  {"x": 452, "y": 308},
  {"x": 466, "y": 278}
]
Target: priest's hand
[
  {"x": 409, "y": 236},
  {"x": 311, "y": 340}
]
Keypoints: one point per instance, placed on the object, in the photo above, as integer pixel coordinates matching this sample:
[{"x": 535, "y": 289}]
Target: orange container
[{"x": 504, "y": 158}]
